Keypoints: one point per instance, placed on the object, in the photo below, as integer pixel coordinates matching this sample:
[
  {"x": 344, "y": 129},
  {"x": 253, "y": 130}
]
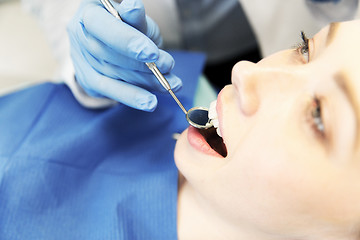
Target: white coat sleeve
[
  {"x": 277, "y": 24},
  {"x": 53, "y": 16},
  {"x": 169, "y": 23}
]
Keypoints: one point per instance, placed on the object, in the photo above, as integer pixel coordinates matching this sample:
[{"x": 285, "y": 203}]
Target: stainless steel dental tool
[{"x": 197, "y": 116}]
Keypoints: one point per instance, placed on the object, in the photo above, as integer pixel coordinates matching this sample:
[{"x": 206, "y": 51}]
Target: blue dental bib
[{"x": 67, "y": 172}]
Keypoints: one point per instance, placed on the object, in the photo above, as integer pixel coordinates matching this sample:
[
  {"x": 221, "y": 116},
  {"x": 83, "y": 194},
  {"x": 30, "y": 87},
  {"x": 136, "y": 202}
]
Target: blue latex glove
[{"x": 109, "y": 55}]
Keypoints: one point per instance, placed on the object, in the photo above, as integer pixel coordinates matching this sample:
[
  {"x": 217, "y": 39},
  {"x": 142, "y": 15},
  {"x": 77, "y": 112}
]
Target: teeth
[
  {"x": 218, "y": 132},
  {"x": 212, "y": 110},
  {"x": 215, "y": 122},
  {"x": 213, "y": 117}
]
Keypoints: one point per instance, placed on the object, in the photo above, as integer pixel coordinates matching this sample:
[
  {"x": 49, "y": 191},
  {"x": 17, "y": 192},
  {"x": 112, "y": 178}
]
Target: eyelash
[
  {"x": 316, "y": 117},
  {"x": 303, "y": 47},
  {"x": 316, "y": 121}
]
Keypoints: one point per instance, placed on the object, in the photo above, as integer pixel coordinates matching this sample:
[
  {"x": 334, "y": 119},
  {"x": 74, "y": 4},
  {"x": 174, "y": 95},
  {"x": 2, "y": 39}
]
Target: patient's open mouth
[
  {"x": 214, "y": 140},
  {"x": 209, "y": 140}
]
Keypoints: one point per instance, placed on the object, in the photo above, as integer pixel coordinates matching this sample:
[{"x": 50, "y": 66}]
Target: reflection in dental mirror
[{"x": 198, "y": 118}]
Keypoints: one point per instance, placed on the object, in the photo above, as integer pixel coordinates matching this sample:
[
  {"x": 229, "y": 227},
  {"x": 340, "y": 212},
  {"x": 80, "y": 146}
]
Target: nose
[{"x": 244, "y": 80}]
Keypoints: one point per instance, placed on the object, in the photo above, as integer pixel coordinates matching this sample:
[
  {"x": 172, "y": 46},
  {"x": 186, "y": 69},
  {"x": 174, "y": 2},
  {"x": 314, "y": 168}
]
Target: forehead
[
  {"x": 341, "y": 53},
  {"x": 337, "y": 50},
  {"x": 342, "y": 42}
]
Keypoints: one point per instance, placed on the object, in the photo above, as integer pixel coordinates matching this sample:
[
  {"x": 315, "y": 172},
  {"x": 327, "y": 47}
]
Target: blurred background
[{"x": 25, "y": 55}]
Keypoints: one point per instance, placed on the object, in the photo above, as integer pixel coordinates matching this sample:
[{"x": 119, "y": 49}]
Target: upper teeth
[{"x": 213, "y": 117}]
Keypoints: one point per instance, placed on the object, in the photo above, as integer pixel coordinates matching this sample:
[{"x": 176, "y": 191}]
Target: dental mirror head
[{"x": 198, "y": 118}]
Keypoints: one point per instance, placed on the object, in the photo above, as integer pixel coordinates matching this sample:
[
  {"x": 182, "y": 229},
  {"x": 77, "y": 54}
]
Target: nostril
[{"x": 249, "y": 103}]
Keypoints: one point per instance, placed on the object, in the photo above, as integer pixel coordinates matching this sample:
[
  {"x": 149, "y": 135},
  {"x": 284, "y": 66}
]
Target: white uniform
[{"x": 277, "y": 26}]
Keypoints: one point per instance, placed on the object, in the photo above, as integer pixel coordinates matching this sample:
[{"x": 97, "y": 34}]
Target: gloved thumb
[{"x": 133, "y": 13}]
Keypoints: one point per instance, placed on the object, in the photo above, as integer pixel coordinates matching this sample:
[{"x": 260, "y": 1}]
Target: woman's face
[{"x": 290, "y": 124}]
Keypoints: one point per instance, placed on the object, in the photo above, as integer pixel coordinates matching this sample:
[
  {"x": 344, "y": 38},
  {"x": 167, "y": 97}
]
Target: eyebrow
[
  {"x": 331, "y": 32},
  {"x": 342, "y": 81}
]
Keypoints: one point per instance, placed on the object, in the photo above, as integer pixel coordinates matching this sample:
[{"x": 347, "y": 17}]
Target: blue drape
[{"x": 67, "y": 172}]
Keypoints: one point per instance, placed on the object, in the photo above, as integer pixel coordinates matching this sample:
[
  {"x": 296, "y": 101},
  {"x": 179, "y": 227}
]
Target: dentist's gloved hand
[{"x": 109, "y": 55}]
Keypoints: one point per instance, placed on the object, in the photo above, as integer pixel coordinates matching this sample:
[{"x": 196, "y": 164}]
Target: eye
[
  {"x": 316, "y": 118},
  {"x": 303, "y": 48}
]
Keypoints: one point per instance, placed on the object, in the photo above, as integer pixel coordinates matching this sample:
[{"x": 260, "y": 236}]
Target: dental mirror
[{"x": 198, "y": 118}]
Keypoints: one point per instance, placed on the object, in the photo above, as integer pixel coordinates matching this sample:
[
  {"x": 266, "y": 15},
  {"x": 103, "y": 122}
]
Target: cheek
[
  {"x": 270, "y": 177},
  {"x": 266, "y": 172},
  {"x": 285, "y": 185}
]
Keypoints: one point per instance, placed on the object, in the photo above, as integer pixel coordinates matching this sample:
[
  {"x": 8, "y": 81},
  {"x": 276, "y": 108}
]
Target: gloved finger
[
  {"x": 122, "y": 38},
  {"x": 165, "y": 62},
  {"x": 153, "y": 32},
  {"x": 133, "y": 13},
  {"x": 120, "y": 91},
  {"x": 97, "y": 84},
  {"x": 123, "y": 92},
  {"x": 145, "y": 80},
  {"x": 101, "y": 51}
]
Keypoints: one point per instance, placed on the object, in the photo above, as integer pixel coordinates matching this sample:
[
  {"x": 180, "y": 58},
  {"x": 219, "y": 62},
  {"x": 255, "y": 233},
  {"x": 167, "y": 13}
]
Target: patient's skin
[{"x": 284, "y": 176}]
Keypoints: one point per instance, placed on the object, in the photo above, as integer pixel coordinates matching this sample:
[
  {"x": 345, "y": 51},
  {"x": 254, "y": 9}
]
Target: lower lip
[{"x": 198, "y": 142}]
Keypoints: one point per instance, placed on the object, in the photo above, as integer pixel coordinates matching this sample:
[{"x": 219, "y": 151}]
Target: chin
[
  {"x": 181, "y": 152},
  {"x": 193, "y": 163}
]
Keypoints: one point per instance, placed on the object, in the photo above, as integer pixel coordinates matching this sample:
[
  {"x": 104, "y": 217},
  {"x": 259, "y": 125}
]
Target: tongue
[{"x": 213, "y": 139}]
